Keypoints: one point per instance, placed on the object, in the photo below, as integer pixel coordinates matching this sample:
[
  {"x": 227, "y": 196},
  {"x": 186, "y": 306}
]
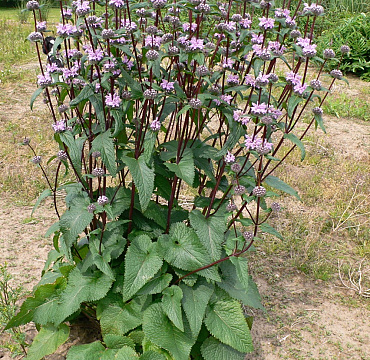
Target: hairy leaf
[
  {"x": 183, "y": 249},
  {"x": 92, "y": 351},
  {"x": 152, "y": 355},
  {"x": 113, "y": 341},
  {"x": 194, "y": 302},
  {"x": 81, "y": 288},
  {"x": 143, "y": 177},
  {"x": 210, "y": 232},
  {"x": 156, "y": 285},
  {"x": 121, "y": 318},
  {"x": 185, "y": 168},
  {"x": 226, "y": 322},
  {"x": 141, "y": 264},
  {"x": 47, "y": 341},
  {"x": 160, "y": 330},
  {"x": 171, "y": 303},
  {"x": 31, "y": 305},
  {"x": 212, "y": 349}
]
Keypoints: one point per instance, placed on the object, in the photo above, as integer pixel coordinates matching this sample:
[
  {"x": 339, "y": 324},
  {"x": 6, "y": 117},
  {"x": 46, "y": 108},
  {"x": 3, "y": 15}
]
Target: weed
[{"x": 9, "y": 296}]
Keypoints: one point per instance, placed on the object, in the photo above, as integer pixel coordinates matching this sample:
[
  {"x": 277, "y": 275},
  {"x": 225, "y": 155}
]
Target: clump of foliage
[
  {"x": 151, "y": 102},
  {"x": 353, "y": 31}
]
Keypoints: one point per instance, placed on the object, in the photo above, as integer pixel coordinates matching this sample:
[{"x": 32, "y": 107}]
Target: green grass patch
[{"x": 348, "y": 106}]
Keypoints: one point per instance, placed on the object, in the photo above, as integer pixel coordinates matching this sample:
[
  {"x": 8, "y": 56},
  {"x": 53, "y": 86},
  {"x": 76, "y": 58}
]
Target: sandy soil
[{"x": 304, "y": 318}]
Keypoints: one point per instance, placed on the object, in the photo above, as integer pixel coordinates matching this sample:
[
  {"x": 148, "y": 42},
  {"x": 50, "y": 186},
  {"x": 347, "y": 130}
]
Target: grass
[{"x": 349, "y": 107}]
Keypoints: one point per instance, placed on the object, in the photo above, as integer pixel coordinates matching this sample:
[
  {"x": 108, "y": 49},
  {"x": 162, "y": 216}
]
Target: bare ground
[{"x": 304, "y": 318}]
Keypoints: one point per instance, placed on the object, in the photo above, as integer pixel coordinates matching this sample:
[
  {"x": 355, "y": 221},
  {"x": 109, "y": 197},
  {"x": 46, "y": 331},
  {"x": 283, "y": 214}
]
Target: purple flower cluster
[{"x": 113, "y": 101}]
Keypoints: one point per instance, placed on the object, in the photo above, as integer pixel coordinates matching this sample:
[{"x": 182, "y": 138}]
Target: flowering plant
[{"x": 153, "y": 103}]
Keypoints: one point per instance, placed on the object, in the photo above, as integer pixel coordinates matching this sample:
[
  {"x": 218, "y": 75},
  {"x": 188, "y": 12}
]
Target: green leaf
[
  {"x": 32, "y": 305},
  {"x": 292, "y": 104},
  {"x": 231, "y": 284},
  {"x": 319, "y": 121},
  {"x": 143, "y": 177},
  {"x": 101, "y": 261},
  {"x": 185, "y": 168},
  {"x": 104, "y": 143},
  {"x": 241, "y": 267},
  {"x": 126, "y": 353},
  {"x": 210, "y": 231},
  {"x": 44, "y": 195},
  {"x": 152, "y": 355},
  {"x": 92, "y": 351},
  {"x": 254, "y": 297},
  {"x": 212, "y": 349},
  {"x": 81, "y": 288},
  {"x": 156, "y": 285},
  {"x": 113, "y": 341},
  {"x": 171, "y": 304},
  {"x": 120, "y": 318},
  {"x": 278, "y": 184},
  {"x": 270, "y": 230},
  {"x": 194, "y": 302},
  {"x": 297, "y": 142},
  {"x": 47, "y": 341},
  {"x": 35, "y": 95},
  {"x": 226, "y": 322},
  {"x": 160, "y": 330},
  {"x": 246, "y": 221},
  {"x": 74, "y": 149},
  {"x": 183, "y": 249},
  {"x": 141, "y": 264},
  {"x": 74, "y": 221}
]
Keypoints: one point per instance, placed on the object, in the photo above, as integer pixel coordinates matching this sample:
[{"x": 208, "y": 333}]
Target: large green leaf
[
  {"x": 152, "y": 355},
  {"x": 43, "y": 295},
  {"x": 47, "y": 341},
  {"x": 241, "y": 267},
  {"x": 195, "y": 300},
  {"x": 210, "y": 232},
  {"x": 226, "y": 322},
  {"x": 161, "y": 331},
  {"x": 74, "y": 221},
  {"x": 143, "y": 177},
  {"x": 212, "y": 349},
  {"x": 185, "y": 168},
  {"x": 92, "y": 351},
  {"x": 120, "y": 318},
  {"x": 156, "y": 285},
  {"x": 81, "y": 288},
  {"x": 183, "y": 249},
  {"x": 104, "y": 143},
  {"x": 114, "y": 341},
  {"x": 141, "y": 264},
  {"x": 171, "y": 304},
  {"x": 278, "y": 184},
  {"x": 231, "y": 284}
]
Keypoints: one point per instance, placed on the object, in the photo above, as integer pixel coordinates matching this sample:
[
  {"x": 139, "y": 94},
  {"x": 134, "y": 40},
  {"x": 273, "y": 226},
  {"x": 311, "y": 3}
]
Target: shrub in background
[
  {"x": 151, "y": 102},
  {"x": 353, "y": 31}
]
